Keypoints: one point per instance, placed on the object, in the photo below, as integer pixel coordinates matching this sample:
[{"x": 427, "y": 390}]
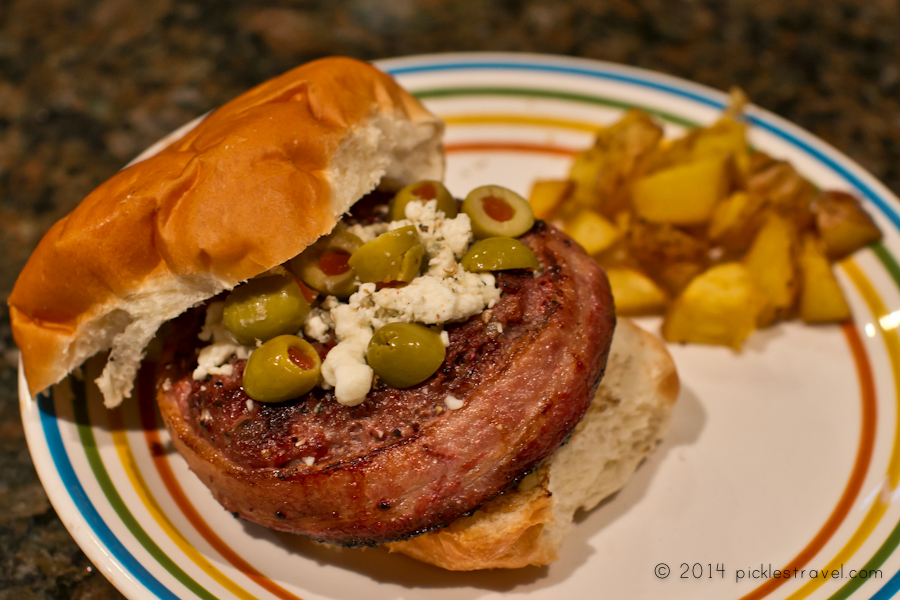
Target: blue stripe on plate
[
  {"x": 101, "y": 531},
  {"x": 707, "y": 100}
]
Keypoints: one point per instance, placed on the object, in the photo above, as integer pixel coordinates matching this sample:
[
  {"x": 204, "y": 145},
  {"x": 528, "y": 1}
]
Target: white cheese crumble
[
  {"x": 445, "y": 293},
  {"x": 214, "y": 359},
  {"x": 453, "y": 403},
  {"x": 317, "y": 325}
]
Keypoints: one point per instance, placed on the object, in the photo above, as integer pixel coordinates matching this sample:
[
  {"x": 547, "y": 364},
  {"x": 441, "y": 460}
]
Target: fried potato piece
[
  {"x": 676, "y": 276},
  {"x": 634, "y": 293},
  {"x": 772, "y": 262},
  {"x": 657, "y": 245},
  {"x": 547, "y": 195},
  {"x": 592, "y": 231},
  {"x": 843, "y": 224},
  {"x": 821, "y": 298},
  {"x": 682, "y": 195},
  {"x": 720, "y": 306},
  {"x": 736, "y": 220},
  {"x": 601, "y": 173},
  {"x": 784, "y": 190}
]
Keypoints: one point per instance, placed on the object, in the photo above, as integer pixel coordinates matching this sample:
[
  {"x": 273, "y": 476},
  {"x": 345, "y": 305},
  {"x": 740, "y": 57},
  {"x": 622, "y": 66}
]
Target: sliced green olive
[
  {"x": 423, "y": 191},
  {"x": 285, "y": 367},
  {"x": 499, "y": 254},
  {"x": 265, "y": 307},
  {"x": 404, "y": 354},
  {"x": 496, "y": 211},
  {"x": 324, "y": 265},
  {"x": 392, "y": 256}
]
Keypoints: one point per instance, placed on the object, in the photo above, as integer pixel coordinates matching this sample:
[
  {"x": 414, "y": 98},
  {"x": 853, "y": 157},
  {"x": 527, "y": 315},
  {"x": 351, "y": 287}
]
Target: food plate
[{"x": 783, "y": 457}]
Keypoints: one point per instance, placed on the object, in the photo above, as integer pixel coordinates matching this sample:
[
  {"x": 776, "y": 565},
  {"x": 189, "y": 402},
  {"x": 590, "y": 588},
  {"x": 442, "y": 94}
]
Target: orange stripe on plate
[
  {"x": 857, "y": 475},
  {"x": 149, "y": 422},
  {"x": 867, "y": 397}
]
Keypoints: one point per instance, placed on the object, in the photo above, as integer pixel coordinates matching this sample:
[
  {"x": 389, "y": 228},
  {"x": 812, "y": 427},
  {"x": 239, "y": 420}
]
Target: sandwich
[{"x": 351, "y": 354}]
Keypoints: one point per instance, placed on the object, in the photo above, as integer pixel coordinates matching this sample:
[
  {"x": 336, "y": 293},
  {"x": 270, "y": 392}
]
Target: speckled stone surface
[{"x": 85, "y": 85}]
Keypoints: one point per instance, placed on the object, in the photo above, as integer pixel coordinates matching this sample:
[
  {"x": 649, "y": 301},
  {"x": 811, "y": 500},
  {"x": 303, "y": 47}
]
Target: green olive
[
  {"x": 423, "y": 191},
  {"x": 496, "y": 211},
  {"x": 499, "y": 254},
  {"x": 324, "y": 265},
  {"x": 265, "y": 307},
  {"x": 285, "y": 367},
  {"x": 392, "y": 256},
  {"x": 404, "y": 354}
]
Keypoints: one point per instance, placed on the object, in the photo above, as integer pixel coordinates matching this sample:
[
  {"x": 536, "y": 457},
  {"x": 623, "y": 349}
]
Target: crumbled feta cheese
[
  {"x": 214, "y": 359},
  {"x": 317, "y": 325},
  {"x": 249, "y": 404},
  {"x": 308, "y": 460},
  {"x": 345, "y": 367},
  {"x": 445, "y": 339},
  {"x": 367, "y": 233},
  {"x": 445, "y": 240},
  {"x": 453, "y": 403},
  {"x": 427, "y": 299}
]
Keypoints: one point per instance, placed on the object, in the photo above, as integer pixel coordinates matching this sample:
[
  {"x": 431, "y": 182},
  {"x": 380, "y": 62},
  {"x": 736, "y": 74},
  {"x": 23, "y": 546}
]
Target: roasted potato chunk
[
  {"x": 601, "y": 174},
  {"x": 655, "y": 245},
  {"x": 772, "y": 263},
  {"x": 736, "y": 220},
  {"x": 821, "y": 298},
  {"x": 592, "y": 231},
  {"x": 547, "y": 195},
  {"x": 843, "y": 224},
  {"x": 784, "y": 190},
  {"x": 720, "y": 306},
  {"x": 682, "y": 195},
  {"x": 634, "y": 293}
]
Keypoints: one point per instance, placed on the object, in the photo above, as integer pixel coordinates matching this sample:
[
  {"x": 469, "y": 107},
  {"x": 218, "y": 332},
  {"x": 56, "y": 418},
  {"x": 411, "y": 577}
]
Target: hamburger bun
[{"x": 184, "y": 225}]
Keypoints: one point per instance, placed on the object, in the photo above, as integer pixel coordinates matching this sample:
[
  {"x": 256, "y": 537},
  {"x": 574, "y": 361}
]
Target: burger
[{"x": 350, "y": 353}]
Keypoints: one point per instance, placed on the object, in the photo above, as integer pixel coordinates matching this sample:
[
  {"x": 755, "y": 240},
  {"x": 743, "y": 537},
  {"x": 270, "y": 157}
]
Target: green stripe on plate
[
  {"x": 556, "y": 95},
  {"x": 82, "y": 420},
  {"x": 893, "y": 540}
]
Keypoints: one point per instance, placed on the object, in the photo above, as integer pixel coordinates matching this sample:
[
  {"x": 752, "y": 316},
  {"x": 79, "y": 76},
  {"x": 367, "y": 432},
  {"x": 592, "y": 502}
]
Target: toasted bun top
[{"x": 249, "y": 188}]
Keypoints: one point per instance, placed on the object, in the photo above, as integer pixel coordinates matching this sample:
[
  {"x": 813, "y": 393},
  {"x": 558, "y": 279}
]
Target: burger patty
[{"x": 402, "y": 462}]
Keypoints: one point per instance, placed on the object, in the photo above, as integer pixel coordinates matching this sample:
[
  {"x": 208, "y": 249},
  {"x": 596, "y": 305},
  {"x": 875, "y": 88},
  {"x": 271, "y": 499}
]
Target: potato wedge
[
  {"x": 602, "y": 172},
  {"x": 634, "y": 293},
  {"x": 682, "y": 195},
  {"x": 655, "y": 245},
  {"x": 772, "y": 263},
  {"x": 676, "y": 276},
  {"x": 592, "y": 231},
  {"x": 736, "y": 220},
  {"x": 843, "y": 224},
  {"x": 726, "y": 136},
  {"x": 547, "y": 195},
  {"x": 720, "y": 306},
  {"x": 821, "y": 298},
  {"x": 784, "y": 189}
]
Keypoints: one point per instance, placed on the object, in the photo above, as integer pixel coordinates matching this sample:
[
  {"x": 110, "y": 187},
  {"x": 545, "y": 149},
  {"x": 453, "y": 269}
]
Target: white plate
[{"x": 787, "y": 455}]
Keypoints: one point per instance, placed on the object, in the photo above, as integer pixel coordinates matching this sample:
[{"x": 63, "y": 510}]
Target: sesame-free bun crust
[{"x": 249, "y": 188}]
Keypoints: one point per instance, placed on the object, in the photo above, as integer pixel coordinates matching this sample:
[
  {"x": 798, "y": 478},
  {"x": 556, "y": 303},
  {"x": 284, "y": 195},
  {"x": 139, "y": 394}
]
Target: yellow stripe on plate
[
  {"x": 882, "y": 501},
  {"x": 120, "y": 439}
]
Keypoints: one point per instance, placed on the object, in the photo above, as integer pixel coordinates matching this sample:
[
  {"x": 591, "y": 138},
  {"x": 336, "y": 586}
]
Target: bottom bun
[{"x": 628, "y": 416}]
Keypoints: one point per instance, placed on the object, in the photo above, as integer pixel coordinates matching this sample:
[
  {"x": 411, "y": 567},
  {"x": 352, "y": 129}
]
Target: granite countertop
[{"x": 85, "y": 85}]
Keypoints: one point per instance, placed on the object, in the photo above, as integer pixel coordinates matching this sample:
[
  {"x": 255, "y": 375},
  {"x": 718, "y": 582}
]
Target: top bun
[{"x": 249, "y": 188}]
